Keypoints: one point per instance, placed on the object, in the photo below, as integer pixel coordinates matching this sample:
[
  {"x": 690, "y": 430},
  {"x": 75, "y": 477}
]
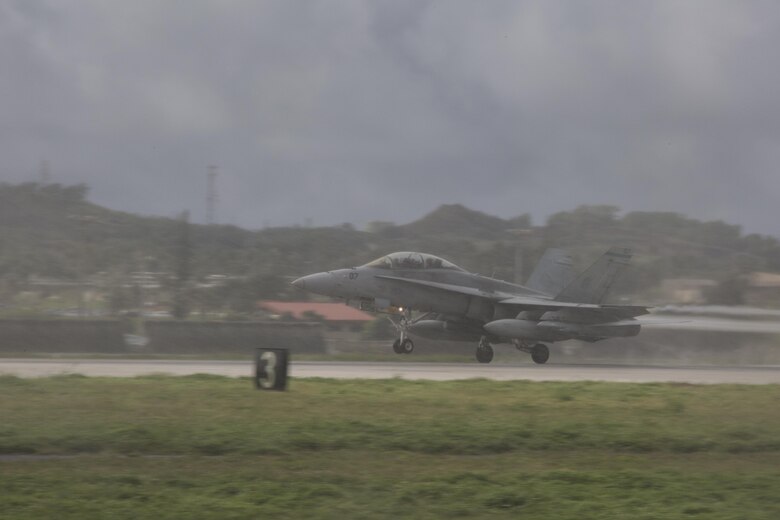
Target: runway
[{"x": 406, "y": 370}]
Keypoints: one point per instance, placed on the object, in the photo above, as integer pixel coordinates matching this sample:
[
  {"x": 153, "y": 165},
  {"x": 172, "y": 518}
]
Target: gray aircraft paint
[{"x": 554, "y": 305}]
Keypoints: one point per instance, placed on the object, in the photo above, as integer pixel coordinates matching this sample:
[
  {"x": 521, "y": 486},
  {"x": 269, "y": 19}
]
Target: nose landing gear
[{"x": 404, "y": 344}]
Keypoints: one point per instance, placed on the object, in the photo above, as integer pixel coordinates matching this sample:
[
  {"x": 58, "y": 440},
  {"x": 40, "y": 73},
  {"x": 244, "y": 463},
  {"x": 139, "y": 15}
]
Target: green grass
[{"x": 212, "y": 447}]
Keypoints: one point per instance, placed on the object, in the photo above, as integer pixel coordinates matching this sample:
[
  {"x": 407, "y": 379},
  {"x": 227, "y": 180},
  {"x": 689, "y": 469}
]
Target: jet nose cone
[{"x": 320, "y": 283}]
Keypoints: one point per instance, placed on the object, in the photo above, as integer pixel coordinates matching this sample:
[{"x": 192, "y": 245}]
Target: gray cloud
[{"x": 356, "y": 111}]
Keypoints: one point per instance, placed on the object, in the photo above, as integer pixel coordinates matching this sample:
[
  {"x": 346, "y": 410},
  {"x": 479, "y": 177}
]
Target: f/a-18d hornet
[{"x": 452, "y": 304}]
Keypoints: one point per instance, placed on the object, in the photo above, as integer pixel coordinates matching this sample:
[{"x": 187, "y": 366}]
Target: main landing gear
[
  {"x": 484, "y": 351},
  {"x": 539, "y": 352}
]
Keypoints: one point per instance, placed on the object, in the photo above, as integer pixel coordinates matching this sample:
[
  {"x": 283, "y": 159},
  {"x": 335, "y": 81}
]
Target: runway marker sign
[{"x": 271, "y": 368}]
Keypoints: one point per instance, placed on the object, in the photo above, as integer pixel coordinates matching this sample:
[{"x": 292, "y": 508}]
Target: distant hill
[
  {"x": 456, "y": 219},
  {"x": 54, "y": 231}
]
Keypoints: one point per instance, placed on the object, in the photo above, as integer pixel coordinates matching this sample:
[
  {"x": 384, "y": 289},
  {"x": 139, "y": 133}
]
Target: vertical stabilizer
[
  {"x": 553, "y": 272},
  {"x": 593, "y": 285}
]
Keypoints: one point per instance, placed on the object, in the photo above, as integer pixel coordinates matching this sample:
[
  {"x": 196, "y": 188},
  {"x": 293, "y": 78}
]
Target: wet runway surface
[{"x": 406, "y": 370}]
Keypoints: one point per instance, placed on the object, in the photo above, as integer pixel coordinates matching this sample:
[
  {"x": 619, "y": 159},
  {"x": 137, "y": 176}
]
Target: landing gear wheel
[
  {"x": 397, "y": 347},
  {"x": 484, "y": 353},
  {"x": 540, "y": 353},
  {"x": 407, "y": 346}
]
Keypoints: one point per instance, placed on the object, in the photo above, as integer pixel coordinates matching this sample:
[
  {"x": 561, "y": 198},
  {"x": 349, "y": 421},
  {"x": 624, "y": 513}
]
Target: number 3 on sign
[
  {"x": 271, "y": 369},
  {"x": 268, "y": 364}
]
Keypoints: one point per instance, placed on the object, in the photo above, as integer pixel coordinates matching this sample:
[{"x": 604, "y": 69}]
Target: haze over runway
[{"x": 412, "y": 371}]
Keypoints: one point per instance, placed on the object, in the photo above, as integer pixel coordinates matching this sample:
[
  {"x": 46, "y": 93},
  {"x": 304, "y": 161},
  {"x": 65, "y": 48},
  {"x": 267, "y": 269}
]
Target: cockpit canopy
[{"x": 409, "y": 260}]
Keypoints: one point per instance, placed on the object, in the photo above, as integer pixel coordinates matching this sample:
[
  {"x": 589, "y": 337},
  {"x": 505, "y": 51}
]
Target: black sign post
[{"x": 271, "y": 368}]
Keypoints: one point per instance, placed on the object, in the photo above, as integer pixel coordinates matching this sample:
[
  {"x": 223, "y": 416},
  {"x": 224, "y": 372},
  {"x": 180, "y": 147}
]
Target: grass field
[{"x": 213, "y": 447}]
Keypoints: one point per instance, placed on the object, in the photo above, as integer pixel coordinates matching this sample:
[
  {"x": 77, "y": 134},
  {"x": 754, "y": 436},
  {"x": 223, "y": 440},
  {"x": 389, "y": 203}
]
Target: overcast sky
[{"x": 352, "y": 111}]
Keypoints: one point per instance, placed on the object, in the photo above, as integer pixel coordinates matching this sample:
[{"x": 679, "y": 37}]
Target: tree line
[{"x": 52, "y": 230}]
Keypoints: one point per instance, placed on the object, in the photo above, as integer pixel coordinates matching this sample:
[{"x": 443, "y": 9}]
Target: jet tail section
[
  {"x": 593, "y": 285},
  {"x": 553, "y": 272}
]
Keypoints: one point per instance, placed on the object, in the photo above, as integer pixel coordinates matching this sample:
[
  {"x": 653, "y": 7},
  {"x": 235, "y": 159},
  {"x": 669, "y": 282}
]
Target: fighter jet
[{"x": 449, "y": 303}]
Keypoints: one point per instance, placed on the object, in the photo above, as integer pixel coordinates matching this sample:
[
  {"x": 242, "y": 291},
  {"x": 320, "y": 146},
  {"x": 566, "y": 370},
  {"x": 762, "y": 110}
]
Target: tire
[
  {"x": 407, "y": 346},
  {"x": 540, "y": 353},
  {"x": 397, "y": 347},
  {"x": 485, "y": 354}
]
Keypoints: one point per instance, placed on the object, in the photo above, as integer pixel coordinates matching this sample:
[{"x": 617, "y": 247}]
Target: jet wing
[
  {"x": 530, "y": 301},
  {"x": 586, "y": 311},
  {"x": 539, "y": 303},
  {"x": 460, "y": 289},
  {"x": 524, "y": 302}
]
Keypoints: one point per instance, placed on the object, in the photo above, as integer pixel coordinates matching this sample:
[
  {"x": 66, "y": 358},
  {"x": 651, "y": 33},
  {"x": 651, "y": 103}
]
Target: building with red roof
[{"x": 335, "y": 315}]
